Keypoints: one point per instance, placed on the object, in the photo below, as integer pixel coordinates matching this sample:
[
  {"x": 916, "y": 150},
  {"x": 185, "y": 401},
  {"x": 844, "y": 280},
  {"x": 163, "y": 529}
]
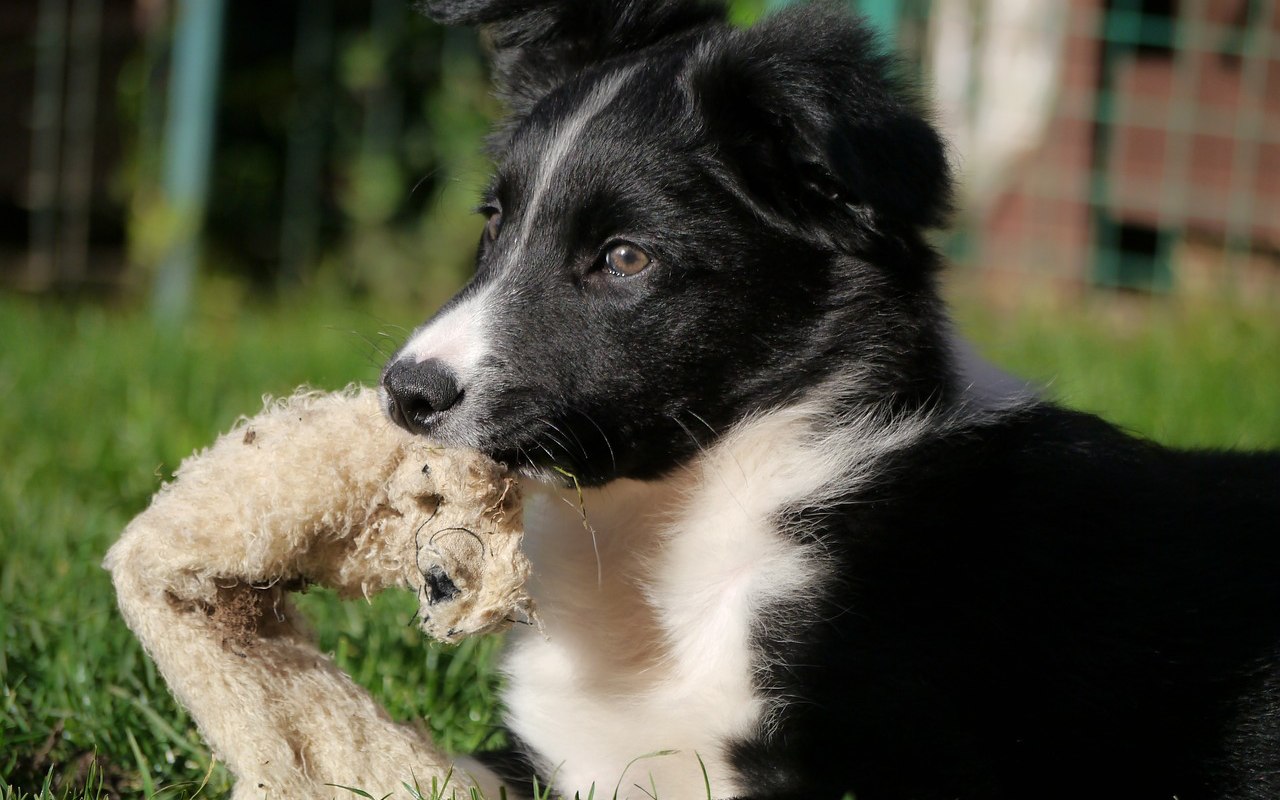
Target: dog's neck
[{"x": 650, "y": 591}]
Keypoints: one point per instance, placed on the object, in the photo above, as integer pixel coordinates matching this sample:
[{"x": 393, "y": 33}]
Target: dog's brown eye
[
  {"x": 625, "y": 259},
  {"x": 493, "y": 226}
]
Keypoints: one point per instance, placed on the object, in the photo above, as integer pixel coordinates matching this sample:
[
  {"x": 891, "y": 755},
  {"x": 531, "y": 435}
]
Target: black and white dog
[{"x": 817, "y": 557}]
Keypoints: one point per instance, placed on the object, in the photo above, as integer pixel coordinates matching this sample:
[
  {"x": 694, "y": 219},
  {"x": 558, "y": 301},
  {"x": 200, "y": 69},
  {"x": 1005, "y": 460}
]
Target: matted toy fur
[{"x": 318, "y": 489}]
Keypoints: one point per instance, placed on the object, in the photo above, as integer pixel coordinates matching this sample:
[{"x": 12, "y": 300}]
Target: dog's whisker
[
  {"x": 383, "y": 344},
  {"x": 733, "y": 492},
  {"x": 523, "y": 454},
  {"x": 608, "y": 445},
  {"x": 538, "y": 444},
  {"x": 555, "y": 439},
  {"x": 705, "y": 424},
  {"x": 581, "y": 447},
  {"x": 423, "y": 180},
  {"x": 401, "y": 332},
  {"x": 715, "y": 434},
  {"x": 696, "y": 443}
]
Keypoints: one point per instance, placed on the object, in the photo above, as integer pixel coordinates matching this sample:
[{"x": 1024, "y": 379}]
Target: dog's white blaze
[
  {"x": 655, "y": 654},
  {"x": 456, "y": 337},
  {"x": 459, "y": 337},
  {"x": 563, "y": 141}
]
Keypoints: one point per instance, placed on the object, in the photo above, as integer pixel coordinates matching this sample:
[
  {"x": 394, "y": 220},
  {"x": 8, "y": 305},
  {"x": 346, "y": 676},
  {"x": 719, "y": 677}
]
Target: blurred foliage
[{"x": 347, "y": 150}]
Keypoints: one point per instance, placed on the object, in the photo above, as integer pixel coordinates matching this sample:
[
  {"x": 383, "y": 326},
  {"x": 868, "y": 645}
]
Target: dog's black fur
[{"x": 1025, "y": 601}]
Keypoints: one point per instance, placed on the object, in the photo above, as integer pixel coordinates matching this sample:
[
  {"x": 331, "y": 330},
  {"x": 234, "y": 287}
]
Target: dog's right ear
[
  {"x": 820, "y": 127},
  {"x": 539, "y": 44}
]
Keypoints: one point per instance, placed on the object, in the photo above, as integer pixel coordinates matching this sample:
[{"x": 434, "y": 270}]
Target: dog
[{"x": 788, "y": 541}]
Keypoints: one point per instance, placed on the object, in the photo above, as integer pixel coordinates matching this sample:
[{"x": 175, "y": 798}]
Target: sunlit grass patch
[{"x": 97, "y": 407}]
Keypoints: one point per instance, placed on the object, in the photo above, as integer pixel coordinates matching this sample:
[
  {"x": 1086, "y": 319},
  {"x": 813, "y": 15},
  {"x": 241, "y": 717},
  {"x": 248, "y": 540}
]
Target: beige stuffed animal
[{"x": 319, "y": 489}]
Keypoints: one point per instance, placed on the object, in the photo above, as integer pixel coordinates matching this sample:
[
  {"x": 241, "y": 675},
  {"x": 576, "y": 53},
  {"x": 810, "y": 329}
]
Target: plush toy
[{"x": 319, "y": 489}]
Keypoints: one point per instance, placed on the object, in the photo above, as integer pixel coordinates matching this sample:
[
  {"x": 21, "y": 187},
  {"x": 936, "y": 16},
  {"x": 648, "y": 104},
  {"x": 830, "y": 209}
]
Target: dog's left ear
[
  {"x": 539, "y": 44},
  {"x": 807, "y": 111}
]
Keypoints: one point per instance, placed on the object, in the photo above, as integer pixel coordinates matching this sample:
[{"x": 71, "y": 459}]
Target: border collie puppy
[{"x": 811, "y": 556}]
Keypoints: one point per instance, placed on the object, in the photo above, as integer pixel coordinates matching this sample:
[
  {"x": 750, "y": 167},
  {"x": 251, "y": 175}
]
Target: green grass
[
  {"x": 1200, "y": 376},
  {"x": 95, "y": 407}
]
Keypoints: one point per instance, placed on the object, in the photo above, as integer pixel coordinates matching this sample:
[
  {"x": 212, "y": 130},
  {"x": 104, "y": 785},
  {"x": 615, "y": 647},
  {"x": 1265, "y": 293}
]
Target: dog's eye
[
  {"x": 493, "y": 226},
  {"x": 625, "y": 259}
]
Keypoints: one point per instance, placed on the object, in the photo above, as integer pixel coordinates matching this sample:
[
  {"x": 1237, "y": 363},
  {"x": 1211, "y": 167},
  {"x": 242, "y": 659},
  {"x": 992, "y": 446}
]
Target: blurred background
[
  {"x": 155, "y": 147},
  {"x": 205, "y": 201}
]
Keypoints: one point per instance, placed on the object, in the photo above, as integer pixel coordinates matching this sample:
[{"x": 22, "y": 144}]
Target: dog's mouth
[
  {"x": 515, "y": 460},
  {"x": 537, "y": 465},
  {"x": 551, "y": 445},
  {"x": 518, "y": 430}
]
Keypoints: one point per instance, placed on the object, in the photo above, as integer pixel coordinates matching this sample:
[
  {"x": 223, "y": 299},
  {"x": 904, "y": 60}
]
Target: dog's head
[{"x": 688, "y": 223}]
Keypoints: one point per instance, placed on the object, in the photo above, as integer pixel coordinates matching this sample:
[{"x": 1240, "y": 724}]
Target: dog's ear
[
  {"x": 814, "y": 122},
  {"x": 539, "y": 44}
]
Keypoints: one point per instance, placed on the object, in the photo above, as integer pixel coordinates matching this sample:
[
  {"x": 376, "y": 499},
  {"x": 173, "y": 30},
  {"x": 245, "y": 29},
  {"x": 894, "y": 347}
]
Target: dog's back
[
  {"x": 1041, "y": 606},
  {"x": 806, "y": 553}
]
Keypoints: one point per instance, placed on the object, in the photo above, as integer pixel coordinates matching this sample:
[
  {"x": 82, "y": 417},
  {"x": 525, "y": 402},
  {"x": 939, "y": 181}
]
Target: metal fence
[
  {"x": 1132, "y": 144},
  {"x": 1125, "y": 144}
]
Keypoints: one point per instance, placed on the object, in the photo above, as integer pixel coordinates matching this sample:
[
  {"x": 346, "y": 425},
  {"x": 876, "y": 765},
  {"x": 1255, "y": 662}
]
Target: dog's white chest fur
[{"x": 648, "y": 649}]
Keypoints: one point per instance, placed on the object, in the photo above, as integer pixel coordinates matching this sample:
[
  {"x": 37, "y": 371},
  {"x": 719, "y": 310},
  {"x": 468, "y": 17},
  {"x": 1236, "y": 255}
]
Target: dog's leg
[{"x": 318, "y": 490}]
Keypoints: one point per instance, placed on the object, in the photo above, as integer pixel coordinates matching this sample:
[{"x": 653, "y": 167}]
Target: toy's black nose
[{"x": 419, "y": 392}]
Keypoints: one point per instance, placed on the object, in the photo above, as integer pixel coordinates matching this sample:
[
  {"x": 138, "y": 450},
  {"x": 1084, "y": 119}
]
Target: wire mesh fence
[
  {"x": 1131, "y": 144},
  {"x": 1121, "y": 144}
]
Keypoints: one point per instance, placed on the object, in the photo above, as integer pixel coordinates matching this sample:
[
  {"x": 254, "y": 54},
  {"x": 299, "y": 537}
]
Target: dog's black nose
[{"x": 420, "y": 392}]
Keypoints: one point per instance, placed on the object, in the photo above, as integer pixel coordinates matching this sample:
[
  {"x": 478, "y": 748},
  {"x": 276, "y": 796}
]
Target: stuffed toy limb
[{"x": 319, "y": 489}]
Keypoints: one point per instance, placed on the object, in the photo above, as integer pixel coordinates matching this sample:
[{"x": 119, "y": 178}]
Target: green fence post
[
  {"x": 188, "y": 148},
  {"x": 883, "y": 15}
]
